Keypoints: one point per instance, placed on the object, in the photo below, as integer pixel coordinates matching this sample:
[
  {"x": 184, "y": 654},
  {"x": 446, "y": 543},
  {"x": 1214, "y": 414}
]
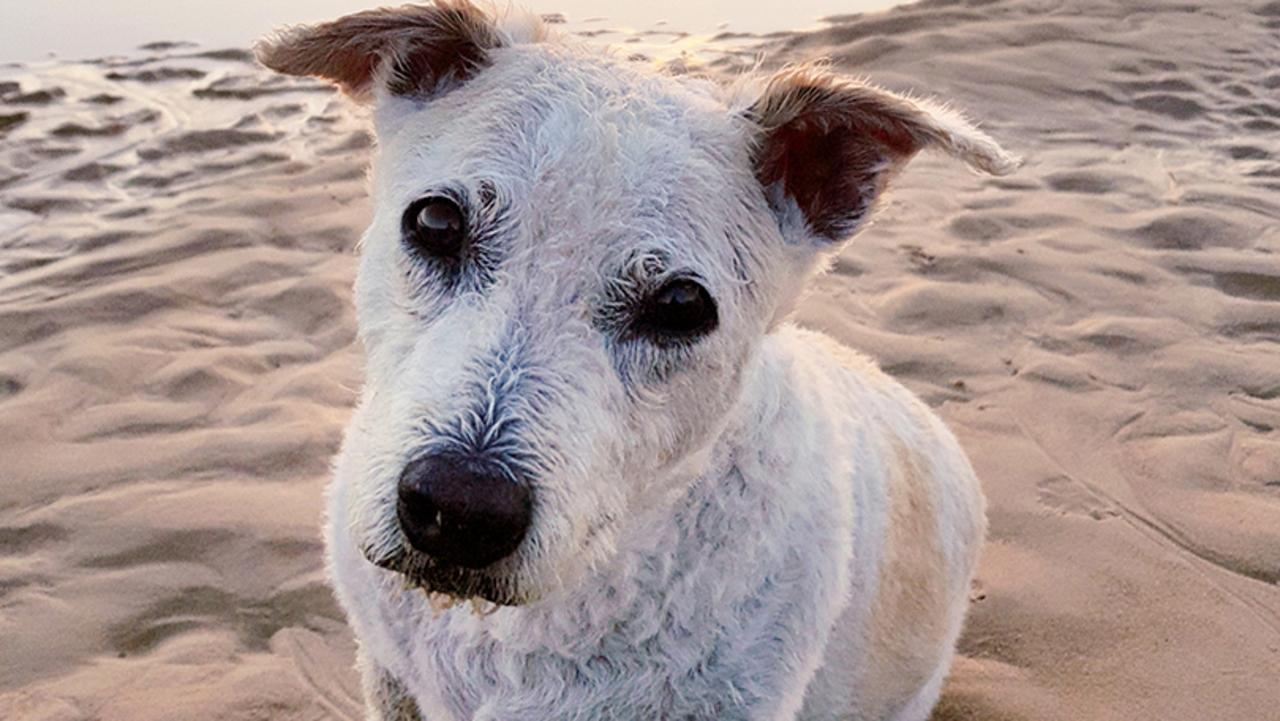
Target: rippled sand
[{"x": 1102, "y": 330}]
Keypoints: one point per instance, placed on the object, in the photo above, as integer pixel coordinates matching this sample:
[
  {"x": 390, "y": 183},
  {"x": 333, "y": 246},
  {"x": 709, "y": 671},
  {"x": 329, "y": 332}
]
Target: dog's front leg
[{"x": 385, "y": 697}]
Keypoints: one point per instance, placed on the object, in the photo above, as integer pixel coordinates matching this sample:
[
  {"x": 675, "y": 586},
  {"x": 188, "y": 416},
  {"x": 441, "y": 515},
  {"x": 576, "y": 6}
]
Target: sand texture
[{"x": 1102, "y": 330}]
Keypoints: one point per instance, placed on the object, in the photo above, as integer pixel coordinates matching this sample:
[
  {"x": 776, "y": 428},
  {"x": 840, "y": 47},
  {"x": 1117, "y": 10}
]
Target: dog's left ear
[
  {"x": 414, "y": 50},
  {"x": 830, "y": 145}
]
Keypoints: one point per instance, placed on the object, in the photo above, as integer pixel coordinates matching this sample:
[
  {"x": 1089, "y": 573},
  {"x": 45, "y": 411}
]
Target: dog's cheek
[
  {"x": 702, "y": 395},
  {"x": 362, "y": 498},
  {"x": 584, "y": 495}
]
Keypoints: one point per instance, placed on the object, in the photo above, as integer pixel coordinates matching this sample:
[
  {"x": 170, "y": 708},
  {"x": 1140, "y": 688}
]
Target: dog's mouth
[{"x": 449, "y": 584}]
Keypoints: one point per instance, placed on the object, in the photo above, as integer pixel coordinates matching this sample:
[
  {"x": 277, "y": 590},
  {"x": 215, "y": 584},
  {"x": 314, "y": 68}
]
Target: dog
[{"x": 594, "y": 472}]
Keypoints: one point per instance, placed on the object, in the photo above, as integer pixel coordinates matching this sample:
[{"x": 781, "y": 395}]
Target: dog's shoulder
[
  {"x": 919, "y": 519},
  {"x": 889, "y": 428}
]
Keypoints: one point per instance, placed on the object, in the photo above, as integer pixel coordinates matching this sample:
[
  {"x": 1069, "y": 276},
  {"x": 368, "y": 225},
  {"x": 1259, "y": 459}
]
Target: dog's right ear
[{"x": 409, "y": 51}]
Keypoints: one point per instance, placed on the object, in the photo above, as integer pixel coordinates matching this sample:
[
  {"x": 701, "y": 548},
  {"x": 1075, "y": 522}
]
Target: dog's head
[{"x": 572, "y": 261}]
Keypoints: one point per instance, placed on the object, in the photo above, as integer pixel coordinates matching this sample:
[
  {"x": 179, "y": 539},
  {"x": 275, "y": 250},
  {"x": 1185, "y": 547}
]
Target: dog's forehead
[
  {"x": 542, "y": 119},
  {"x": 595, "y": 161}
]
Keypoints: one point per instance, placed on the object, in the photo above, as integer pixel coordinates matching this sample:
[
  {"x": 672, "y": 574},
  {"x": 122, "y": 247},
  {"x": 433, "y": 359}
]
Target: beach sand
[{"x": 1101, "y": 329}]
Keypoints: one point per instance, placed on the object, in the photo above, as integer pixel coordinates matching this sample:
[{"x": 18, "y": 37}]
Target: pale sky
[{"x": 31, "y": 29}]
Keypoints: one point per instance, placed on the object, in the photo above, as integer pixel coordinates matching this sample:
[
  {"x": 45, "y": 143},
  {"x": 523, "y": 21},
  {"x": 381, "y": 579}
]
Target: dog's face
[{"x": 571, "y": 264}]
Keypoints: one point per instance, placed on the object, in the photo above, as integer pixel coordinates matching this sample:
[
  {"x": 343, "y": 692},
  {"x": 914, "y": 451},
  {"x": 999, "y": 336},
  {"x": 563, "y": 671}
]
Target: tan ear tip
[
  {"x": 266, "y": 51},
  {"x": 1001, "y": 163},
  {"x": 281, "y": 50},
  {"x": 986, "y": 156}
]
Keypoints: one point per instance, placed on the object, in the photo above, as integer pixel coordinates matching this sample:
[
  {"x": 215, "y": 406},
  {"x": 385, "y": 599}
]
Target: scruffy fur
[{"x": 758, "y": 524}]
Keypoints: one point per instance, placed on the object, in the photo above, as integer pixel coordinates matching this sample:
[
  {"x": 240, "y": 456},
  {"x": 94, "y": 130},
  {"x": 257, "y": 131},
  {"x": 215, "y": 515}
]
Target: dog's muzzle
[{"x": 461, "y": 512}]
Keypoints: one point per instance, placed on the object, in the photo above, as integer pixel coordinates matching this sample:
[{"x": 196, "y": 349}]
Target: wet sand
[{"x": 1102, "y": 330}]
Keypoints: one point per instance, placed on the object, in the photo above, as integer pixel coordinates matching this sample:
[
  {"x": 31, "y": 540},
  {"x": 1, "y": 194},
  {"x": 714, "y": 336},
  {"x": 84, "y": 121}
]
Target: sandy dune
[{"x": 1102, "y": 330}]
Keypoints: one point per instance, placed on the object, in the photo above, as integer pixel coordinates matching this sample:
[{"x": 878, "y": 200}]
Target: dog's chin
[{"x": 462, "y": 584}]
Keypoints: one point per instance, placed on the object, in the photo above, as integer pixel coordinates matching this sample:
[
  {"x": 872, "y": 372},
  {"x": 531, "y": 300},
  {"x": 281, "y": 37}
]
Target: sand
[{"x": 1102, "y": 330}]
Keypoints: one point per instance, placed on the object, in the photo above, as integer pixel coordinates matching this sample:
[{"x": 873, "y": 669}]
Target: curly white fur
[{"x": 761, "y": 525}]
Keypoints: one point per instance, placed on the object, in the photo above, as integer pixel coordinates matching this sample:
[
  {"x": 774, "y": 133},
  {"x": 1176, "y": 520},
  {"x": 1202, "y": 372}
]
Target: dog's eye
[
  {"x": 680, "y": 310},
  {"x": 435, "y": 226}
]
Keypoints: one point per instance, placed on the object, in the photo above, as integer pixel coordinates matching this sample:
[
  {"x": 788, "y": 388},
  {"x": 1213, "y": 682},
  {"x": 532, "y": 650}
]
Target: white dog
[{"x": 586, "y": 412}]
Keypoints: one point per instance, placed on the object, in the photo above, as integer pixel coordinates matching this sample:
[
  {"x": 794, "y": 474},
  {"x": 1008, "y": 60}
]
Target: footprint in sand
[{"x": 1068, "y": 496}]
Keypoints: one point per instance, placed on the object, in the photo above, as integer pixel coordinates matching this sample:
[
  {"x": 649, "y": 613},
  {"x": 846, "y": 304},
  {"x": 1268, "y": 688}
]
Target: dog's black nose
[{"x": 460, "y": 512}]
